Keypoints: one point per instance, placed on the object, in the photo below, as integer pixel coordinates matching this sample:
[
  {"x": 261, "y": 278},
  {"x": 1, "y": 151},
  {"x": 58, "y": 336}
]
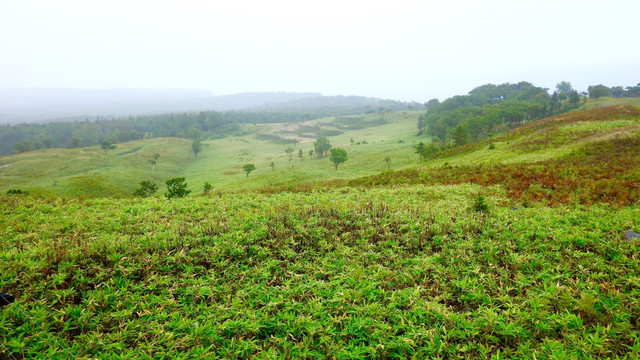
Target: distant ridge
[{"x": 46, "y": 105}]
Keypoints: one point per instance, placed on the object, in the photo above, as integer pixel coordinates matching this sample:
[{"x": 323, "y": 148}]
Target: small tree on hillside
[
  {"x": 207, "y": 187},
  {"x": 321, "y": 145},
  {"x": 196, "y": 146},
  {"x": 300, "y": 154},
  {"x": 289, "y": 151},
  {"x": 338, "y": 156},
  {"x": 176, "y": 187},
  {"x": 388, "y": 161},
  {"x": 154, "y": 161},
  {"x": 273, "y": 166},
  {"x": 311, "y": 153},
  {"x": 106, "y": 145},
  {"x": 147, "y": 188},
  {"x": 420, "y": 149},
  {"x": 248, "y": 168}
]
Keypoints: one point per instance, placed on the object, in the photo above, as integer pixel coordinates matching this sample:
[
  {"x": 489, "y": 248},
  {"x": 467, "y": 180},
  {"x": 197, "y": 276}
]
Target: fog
[{"x": 403, "y": 50}]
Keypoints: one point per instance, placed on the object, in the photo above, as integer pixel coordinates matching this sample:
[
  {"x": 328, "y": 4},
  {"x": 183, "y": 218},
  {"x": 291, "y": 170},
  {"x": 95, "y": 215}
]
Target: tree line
[
  {"x": 490, "y": 108},
  {"x": 212, "y": 124}
]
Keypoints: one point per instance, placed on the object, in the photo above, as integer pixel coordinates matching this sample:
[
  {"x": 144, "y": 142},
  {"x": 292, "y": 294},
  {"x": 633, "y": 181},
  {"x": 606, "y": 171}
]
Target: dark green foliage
[
  {"x": 248, "y": 168},
  {"x": 147, "y": 188},
  {"x": 492, "y": 146},
  {"x": 321, "y": 146},
  {"x": 470, "y": 118},
  {"x": 419, "y": 149},
  {"x": 207, "y": 187},
  {"x": 176, "y": 187},
  {"x": 16, "y": 192},
  {"x": 196, "y": 147},
  {"x": 598, "y": 91},
  {"x": 564, "y": 87},
  {"x": 106, "y": 145},
  {"x": 338, "y": 156},
  {"x": 388, "y": 161},
  {"x": 480, "y": 204},
  {"x": 289, "y": 151}
]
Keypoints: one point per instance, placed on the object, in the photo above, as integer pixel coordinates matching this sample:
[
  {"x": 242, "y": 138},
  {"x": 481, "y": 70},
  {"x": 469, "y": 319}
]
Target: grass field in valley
[
  {"x": 81, "y": 172},
  {"x": 347, "y": 273}
]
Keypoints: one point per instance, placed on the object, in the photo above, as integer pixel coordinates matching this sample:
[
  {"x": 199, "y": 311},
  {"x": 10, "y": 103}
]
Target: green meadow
[
  {"x": 80, "y": 172},
  {"x": 509, "y": 248}
]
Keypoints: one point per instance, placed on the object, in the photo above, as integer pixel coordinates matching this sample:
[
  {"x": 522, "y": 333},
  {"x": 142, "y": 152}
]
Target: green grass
[
  {"x": 344, "y": 273},
  {"x": 77, "y": 172},
  {"x": 521, "y": 255}
]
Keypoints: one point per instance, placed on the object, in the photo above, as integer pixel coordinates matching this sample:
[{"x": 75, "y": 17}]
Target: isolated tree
[
  {"x": 289, "y": 151},
  {"x": 338, "y": 156},
  {"x": 207, "y": 187},
  {"x": 388, "y": 161},
  {"x": 106, "y": 145},
  {"x": 273, "y": 166},
  {"x": 154, "y": 161},
  {"x": 196, "y": 146},
  {"x": 176, "y": 187},
  {"x": 420, "y": 149},
  {"x": 248, "y": 168},
  {"x": 147, "y": 188},
  {"x": 421, "y": 124},
  {"x": 311, "y": 153},
  {"x": 300, "y": 154},
  {"x": 321, "y": 145},
  {"x": 598, "y": 91}
]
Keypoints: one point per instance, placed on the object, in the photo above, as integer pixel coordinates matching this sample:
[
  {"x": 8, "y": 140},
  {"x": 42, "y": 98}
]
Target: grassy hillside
[
  {"x": 509, "y": 248},
  {"x": 80, "y": 172},
  {"x": 345, "y": 273},
  {"x": 581, "y": 157}
]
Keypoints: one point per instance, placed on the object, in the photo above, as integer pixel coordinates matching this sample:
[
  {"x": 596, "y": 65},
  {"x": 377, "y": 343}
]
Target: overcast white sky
[{"x": 400, "y": 49}]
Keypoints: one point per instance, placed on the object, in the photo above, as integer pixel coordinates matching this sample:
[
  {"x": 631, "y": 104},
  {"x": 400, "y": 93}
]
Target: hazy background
[{"x": 404, "y": 50}]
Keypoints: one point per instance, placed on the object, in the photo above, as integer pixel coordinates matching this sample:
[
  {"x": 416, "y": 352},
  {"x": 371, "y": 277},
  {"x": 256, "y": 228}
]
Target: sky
[{"x": 402, "y": 49}]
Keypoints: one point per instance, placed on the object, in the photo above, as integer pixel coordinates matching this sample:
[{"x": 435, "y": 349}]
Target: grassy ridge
[{"x": 346, "y": 273}]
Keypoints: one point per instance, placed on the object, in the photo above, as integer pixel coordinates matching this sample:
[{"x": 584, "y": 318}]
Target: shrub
[
  {"x": 176, "y": 187},
  {"x": 480, "y": 204},
  {"x": 147, "y": 188},
  {"x": 16, "y": 192},
  {"x": 207, "y": 187}
]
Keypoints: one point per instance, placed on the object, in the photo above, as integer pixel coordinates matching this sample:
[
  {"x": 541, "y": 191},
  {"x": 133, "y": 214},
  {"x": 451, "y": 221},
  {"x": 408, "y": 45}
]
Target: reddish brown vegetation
[{"x": 605, "y": 172}]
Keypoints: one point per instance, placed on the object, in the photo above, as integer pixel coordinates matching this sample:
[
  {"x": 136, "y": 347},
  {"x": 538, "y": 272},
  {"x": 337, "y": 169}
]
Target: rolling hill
[{"x": 513, "y": 247}]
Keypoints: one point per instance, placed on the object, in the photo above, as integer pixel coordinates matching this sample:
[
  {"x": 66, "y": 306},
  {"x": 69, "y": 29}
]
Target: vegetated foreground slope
[
  {"x": 418, "y": 271},
  {"x": 582, "y": 157}
]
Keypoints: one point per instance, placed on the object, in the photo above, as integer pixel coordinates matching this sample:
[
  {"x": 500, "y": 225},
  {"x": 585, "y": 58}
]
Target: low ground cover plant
[{"x": 344, "y": 273}]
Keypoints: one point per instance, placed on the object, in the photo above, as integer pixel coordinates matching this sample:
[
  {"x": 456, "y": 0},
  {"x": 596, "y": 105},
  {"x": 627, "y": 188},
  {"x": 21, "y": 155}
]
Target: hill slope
[
  {"x": 362, "y": 268},
  {"x": 583, "y": 156}
]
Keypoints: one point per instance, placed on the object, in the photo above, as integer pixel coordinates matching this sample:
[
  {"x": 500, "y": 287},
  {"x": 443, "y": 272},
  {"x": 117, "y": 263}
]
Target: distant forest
[
  {"x": 490, "y": 108},
  {"x": 212, "y": 124}
]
